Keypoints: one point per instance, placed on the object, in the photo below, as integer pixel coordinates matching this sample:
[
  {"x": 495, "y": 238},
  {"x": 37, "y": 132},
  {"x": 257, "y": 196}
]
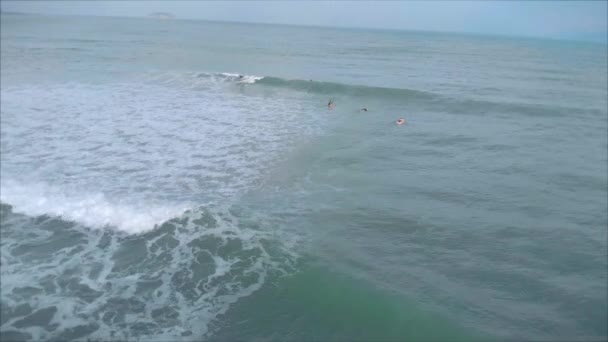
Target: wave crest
[{"x": 90, "y": 210}]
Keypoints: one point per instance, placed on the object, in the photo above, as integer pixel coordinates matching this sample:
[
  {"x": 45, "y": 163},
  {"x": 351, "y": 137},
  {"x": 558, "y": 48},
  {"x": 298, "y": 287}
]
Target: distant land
[{"x": 161, "y": 15}]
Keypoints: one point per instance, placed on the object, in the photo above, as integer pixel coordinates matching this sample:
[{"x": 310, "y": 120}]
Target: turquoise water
[{"x": 150, "y": 193}]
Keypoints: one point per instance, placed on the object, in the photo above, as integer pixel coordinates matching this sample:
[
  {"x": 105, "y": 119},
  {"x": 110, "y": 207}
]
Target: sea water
[{"x": 185, "y": 180}]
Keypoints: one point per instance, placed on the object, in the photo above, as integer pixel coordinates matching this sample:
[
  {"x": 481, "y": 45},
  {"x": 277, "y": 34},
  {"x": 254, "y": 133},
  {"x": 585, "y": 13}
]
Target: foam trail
[{"x": 92, "y": 210}]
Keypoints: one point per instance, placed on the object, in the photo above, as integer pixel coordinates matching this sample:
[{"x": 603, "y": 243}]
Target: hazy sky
[{"x": 565, "y": 19}]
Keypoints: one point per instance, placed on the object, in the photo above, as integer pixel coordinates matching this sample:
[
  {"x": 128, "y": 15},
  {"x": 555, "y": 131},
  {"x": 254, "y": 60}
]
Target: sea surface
[{"x": 150, "y": 193}]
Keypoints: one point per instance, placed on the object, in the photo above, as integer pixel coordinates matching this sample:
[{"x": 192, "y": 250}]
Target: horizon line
[{"x": 494, "y": 35}]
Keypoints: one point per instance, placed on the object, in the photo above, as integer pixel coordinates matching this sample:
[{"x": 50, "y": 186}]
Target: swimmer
[
  {"x": 400, "y": 122},
  {"x": 331, "y": 104},
  {"x": 364, "y": 109}
]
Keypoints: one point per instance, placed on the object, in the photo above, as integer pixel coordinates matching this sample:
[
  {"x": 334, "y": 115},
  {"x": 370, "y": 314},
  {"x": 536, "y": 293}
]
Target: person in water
[
  {"x": 364, "y": 109},
  {"x": 331, "y": 104},
  {"x": 400, "y": 122}
]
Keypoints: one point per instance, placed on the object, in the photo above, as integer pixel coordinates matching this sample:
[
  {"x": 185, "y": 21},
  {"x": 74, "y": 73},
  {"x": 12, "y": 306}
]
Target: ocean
[{"x": 169, "y": 180}]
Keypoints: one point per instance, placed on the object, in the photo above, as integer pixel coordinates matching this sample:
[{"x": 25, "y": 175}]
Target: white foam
[
  {"x": 130, "y": 155},
  {"x": 250, "y": 79},
  {"x": 197, "y": 305},
  {"x": 238, "y": 78},
  {"x": 229, "y": 74},
  {"x": 208, "y": 81},
  {"x": 91, "y": 210}
]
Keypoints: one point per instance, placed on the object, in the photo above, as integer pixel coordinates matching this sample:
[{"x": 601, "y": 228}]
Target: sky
[{"x": 584, "y": 20}]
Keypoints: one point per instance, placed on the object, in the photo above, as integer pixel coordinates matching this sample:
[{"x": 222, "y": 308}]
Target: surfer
[
  {"x": 400, "y": 122},
  {"x": 331, "y": 104}
]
